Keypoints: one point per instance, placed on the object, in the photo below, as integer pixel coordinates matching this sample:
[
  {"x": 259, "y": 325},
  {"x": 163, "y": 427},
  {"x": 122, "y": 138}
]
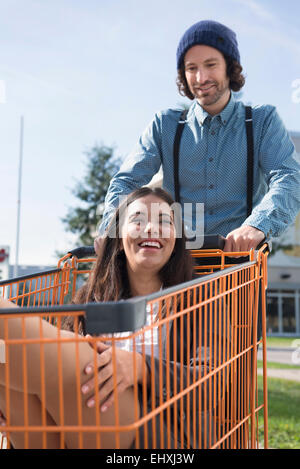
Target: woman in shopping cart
[{"x": 144, "y": 257}]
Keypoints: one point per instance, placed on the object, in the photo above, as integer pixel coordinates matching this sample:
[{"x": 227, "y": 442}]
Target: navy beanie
[{"x": 209, "y": 33}]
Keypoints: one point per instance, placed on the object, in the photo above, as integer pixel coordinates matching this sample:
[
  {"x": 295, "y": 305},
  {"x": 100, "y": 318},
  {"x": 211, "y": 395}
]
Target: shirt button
[
  {"x": 211, "y": 212},
  {"x": 210, "y": 159},
  {"x": 211, "y": 186},
  {"x": 213, "y": 132}
]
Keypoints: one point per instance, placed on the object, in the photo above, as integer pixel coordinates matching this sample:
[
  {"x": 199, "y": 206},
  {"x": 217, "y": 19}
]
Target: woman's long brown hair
[{"x": 109, "y": 279}]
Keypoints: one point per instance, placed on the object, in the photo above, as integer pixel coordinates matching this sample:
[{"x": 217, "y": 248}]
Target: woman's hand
[{"x": 124, "y": 367}]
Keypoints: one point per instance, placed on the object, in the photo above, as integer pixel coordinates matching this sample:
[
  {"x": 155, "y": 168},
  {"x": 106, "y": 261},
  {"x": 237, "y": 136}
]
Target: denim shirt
[{"x": 213, "y": 167}]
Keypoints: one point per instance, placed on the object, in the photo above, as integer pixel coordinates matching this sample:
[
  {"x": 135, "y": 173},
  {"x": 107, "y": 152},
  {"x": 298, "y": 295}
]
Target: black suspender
[
  {"x": 250, "y": 151},
  {"x": 177, "y": 139}
]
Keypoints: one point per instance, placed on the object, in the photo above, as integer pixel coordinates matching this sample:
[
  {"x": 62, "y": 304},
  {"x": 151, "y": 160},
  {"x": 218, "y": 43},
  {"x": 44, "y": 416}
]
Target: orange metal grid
[
  {"x": 224, "y": 394},
  {"x": 41, "y": 289}
]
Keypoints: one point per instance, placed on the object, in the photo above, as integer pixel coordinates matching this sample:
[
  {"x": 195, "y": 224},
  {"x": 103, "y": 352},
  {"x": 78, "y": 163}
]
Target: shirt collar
[{"x": 223, "y": 116}]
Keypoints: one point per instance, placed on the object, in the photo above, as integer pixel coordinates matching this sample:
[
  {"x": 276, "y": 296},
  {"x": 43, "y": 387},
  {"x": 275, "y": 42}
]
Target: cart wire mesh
[{"x": 197, "y": 345}]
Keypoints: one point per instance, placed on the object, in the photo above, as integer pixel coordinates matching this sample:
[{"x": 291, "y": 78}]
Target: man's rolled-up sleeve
[{"x": 281, "y": 167}]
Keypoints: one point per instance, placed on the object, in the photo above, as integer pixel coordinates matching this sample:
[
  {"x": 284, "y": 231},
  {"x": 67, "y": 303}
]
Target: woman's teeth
[{"x": 150, "y": 243}]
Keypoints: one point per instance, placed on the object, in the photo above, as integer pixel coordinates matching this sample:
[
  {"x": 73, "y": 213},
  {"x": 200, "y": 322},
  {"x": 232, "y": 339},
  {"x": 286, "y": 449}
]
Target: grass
[
  {"x": 283, "y": 413},
  {"x": 281, "y": 341},
  {"x": 282, "y": 366}
]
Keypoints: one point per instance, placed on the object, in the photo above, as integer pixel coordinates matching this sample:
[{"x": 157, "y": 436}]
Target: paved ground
[
  {"x": 288, "y": 356},
  {"x": 281, "y": 355},
  {"x": 292, "y": 375}
]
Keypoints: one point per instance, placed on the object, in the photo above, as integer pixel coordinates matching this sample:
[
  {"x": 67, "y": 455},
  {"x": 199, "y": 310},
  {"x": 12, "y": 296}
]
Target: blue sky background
[{"x": 95, "y": 71}]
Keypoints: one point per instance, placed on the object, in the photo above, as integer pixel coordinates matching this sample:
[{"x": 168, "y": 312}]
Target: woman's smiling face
[{"x": 148, "y": 233}]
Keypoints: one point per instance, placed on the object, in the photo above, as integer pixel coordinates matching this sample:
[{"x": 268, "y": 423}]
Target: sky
[{"x": 86, "y": 72}]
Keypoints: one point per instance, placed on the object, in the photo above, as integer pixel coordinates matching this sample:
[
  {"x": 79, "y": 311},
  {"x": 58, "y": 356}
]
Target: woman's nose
[{"x": 152, "y": 227}]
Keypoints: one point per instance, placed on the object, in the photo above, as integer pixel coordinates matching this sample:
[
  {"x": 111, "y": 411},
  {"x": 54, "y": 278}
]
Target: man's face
[{"x": 205, "y": 72}]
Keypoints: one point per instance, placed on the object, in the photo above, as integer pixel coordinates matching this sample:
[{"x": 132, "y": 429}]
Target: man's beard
[{"x": 210, "y": 98}]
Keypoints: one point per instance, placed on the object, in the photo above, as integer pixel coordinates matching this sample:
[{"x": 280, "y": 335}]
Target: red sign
[{"x": 3, "y": 255}]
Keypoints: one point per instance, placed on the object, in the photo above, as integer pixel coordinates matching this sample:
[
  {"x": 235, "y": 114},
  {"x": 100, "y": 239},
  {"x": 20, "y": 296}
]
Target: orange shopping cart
[{"x": 198, "y": 341}]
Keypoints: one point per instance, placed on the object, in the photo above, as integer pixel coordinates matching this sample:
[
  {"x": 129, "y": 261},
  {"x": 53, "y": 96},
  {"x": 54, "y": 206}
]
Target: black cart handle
[
  {"x": 82, "y": 252},
  {"x": 209, "y": 242}
]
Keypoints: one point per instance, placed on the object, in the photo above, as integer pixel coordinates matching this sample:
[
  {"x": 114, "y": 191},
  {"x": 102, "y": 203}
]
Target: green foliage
[
  {"x": 284, "y": 413},
  {"x": 91, "y": 191},
  {"x": 287, "y": 342},
  {"x": 279, "y": 246},
  {"x": 278, "y": 366}
]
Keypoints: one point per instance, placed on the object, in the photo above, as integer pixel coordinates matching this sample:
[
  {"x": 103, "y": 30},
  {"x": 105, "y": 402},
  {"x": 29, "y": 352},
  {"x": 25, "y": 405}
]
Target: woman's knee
[{"x": 122, "y": 415}]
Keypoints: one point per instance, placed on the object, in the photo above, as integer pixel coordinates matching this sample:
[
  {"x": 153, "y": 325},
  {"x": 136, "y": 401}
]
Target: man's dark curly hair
[{"x": 234, "y": 72}]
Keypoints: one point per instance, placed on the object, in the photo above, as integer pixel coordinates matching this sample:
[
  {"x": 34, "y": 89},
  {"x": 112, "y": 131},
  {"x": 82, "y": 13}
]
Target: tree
[
  {"x": 289, "y": 241},
  {"x": 84, "y": 219}
]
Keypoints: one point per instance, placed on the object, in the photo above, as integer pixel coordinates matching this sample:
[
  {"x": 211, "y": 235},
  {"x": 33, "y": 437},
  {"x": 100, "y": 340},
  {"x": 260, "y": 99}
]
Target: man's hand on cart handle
[
  {"x": 97, "y": 244},
  {"x": 124, "y": 374},
  {"x": 243, "y": 239}
]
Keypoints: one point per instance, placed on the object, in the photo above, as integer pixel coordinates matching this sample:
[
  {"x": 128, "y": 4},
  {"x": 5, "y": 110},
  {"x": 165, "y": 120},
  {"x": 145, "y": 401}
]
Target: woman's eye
[
  {"x": 137, "y": 221},
  {"x": 167, "y": 221}
]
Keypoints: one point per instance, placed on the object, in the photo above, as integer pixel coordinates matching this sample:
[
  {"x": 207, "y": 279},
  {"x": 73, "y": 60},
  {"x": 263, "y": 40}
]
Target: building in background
[
  {"x": 28, "y": 270},
  {"x": 7, "y": 270},
  {"x": 283, "y": 316},
  {"x": 4, "y": 263}
]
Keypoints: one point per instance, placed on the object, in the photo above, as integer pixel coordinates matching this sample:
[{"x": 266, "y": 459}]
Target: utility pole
[{"x": 16, "y": 267}]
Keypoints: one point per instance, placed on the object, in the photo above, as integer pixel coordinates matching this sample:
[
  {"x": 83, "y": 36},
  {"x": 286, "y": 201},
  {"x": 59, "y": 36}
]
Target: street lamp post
[{"x": 16, "y": 267}]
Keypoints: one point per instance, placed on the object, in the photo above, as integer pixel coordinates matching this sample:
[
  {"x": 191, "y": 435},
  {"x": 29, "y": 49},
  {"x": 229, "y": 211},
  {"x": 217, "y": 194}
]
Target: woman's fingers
[
  {"x": 110, "y": 399},
  {"x": 106, "y": 390},
  {"x": 100, "y": 347},
  {"x": 103, "y": 375},
  {"x": 107, "y": 395},
  {"x": 109, "y": 376},
  {"x": 103, "y": 357}
]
